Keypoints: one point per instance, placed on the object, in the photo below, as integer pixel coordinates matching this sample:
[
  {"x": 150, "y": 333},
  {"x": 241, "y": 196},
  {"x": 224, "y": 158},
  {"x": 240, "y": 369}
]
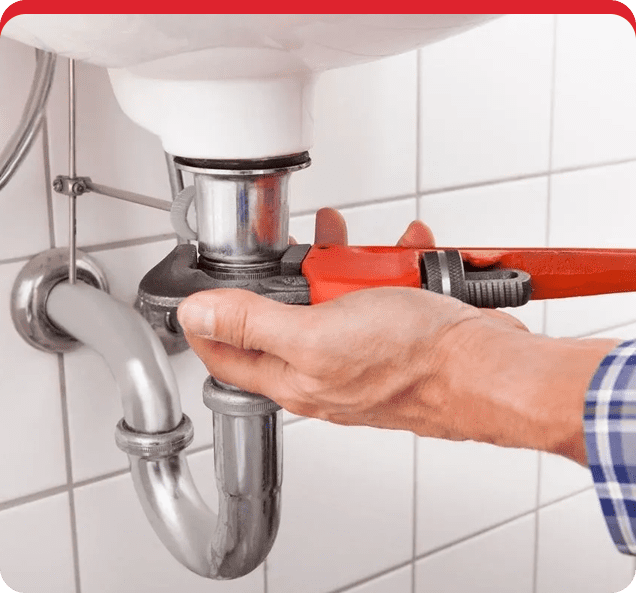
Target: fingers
[
  {"x": 417, "y": 235},
  {"x": 256, "y": 372},
  {"x": 242, "y": 319},
  {"x": 292, "y": 241},
  {"x": 330, "y": 227}
]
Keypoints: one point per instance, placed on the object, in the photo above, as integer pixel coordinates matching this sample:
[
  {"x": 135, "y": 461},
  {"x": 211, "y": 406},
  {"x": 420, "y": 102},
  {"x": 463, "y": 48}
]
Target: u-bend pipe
[{"x": 154, "y": 432}]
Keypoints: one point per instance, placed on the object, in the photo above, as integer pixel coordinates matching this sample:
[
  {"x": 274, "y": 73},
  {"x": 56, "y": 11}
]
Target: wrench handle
[
  {"x": 333, "y": 270},
  {"x": 560, "y": 273}
]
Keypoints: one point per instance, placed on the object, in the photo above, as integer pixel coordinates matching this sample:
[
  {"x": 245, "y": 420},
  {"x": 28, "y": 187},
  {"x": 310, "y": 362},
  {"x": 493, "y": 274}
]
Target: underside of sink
[
  {"x": 319, "y": 41},
  {"x": 219, "y": 86}
]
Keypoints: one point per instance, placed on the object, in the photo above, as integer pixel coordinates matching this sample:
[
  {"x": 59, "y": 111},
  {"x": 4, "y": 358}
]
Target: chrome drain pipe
[{"x": 154, "y": 433}]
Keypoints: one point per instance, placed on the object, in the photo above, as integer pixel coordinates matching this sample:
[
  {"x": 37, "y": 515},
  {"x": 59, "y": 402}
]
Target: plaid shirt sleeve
[{"x": 610, "y": 435}]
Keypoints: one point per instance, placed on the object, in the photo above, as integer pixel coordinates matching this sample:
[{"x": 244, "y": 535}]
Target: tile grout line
[
  {"x": 527, "y": 176},
  {"x": 504, "y": 523},
  {"x": 546, "y": 240},
  {"x": 372, "y": 577},
  {"x": 16, "y": 260},
  {"x": 69, "y": 471},
  {"x": 499, "y": 181},
  {"x": 122, "y": 472},
  {"x": 44, "y": 131},
  {"x": 127, "y": 242},
  {"x": 28, "y": 498},
  {"x": 102, "y": 478},
  {"x": 418, "y": 135},
  {"x": 100, "y": 247},
  {"x": 361, "y": 203},
  {"x": 551, "y": 133},
  {"x": 462, "y": 540}
]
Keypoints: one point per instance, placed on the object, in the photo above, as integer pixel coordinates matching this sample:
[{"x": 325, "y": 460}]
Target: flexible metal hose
[{"x": 22, "y": 139}]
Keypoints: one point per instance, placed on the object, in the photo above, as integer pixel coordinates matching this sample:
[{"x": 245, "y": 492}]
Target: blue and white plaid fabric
[{"x": 610, "y": 435}]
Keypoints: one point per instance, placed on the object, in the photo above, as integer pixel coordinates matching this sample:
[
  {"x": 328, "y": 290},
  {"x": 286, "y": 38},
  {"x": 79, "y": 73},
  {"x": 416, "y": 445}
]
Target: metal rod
[
  {"x": 72, "y": 171},
  {"x": 128, "y": 196}
]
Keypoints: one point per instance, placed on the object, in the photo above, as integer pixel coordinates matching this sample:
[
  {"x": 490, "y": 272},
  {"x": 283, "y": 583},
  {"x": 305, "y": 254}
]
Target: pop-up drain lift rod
[{"x": 72, "y": 173}]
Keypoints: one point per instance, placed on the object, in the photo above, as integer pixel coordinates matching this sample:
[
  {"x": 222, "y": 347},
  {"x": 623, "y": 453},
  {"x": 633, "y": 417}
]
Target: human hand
[{"x": 397, "y": 358}]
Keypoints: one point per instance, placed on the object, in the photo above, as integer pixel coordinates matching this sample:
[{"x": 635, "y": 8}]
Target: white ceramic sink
[{"x": 228, "y": 86}]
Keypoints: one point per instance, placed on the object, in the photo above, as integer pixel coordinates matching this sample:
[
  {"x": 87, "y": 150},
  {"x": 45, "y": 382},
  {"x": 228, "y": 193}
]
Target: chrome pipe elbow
[
  {"x": 130, "y": 348},
  {"x": 154, "y": 433}
]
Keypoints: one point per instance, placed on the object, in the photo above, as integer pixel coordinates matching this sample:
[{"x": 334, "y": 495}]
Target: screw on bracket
[{"x": 71, "y": 186}]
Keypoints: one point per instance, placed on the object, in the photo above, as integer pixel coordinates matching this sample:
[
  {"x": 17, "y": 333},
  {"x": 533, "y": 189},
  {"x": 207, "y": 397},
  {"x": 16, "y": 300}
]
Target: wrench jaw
[{"x": 179, "y": 275}]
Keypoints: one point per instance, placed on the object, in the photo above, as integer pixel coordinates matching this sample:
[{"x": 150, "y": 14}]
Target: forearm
[
  {"x": 520, "y": 389},
  {"x": 555, "y": 397}
]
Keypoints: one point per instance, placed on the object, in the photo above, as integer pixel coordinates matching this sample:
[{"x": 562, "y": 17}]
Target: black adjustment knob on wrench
[{"x": 443, "y": 272}]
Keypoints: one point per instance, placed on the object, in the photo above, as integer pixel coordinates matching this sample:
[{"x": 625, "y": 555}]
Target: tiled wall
[{"x": 522, "y": 132}]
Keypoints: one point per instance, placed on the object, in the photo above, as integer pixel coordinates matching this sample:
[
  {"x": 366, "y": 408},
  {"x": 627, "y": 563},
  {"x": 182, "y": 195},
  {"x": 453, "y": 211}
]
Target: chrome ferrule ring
[{"x": 154, "y": 446}]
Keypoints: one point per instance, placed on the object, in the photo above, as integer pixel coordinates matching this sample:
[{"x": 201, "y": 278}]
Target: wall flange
[{"x": 31, "y": 291}]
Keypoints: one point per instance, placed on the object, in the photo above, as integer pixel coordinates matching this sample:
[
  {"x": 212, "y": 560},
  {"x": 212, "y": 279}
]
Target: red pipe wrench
[{"x": 487, "y": 277}]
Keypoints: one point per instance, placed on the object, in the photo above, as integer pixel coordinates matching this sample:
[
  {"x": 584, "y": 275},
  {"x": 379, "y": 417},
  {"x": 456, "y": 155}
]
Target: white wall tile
[
  {"x": 36, "y": 554},
  {"x": 485, "y": 103},
  {"x": 379, "y": 224},
  {"x": 394, "y": 582},
  {"x": 582, "y": 316},
  {"x": 594, "y": 118},
  {"x": 347, "y": 506},
  {"x": 302, "y": 228},
  {"x": 24, "y": 225},
  {"x": 93, "y": 397},
  {"x": 592, "y": 208},
  {"x": 32, "y": 438},
  {"x": 576, "y": 552},
  {"x": 465, "y": 487},
  {"x": 373, "y": 224},
  {"x": 499, "y": 561},
  {"x": 511, "y": 214},
  {"x": 118, "y": 550},
  {"x": 561, "y": 477},
  {"x": 365, "y": 135},
  {"x": 111, "y": 150}
]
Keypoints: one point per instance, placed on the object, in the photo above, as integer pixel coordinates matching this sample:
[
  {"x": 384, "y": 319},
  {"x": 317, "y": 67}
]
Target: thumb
[{"x": 241, "y": 319}]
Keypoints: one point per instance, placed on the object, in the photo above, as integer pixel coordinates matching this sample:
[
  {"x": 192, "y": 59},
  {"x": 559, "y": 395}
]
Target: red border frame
[{"x": 322, "y": 7}]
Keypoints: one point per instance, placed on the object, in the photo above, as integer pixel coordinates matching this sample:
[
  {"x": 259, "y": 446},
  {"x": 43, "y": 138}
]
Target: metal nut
[{"x": 79, "y": 187}]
